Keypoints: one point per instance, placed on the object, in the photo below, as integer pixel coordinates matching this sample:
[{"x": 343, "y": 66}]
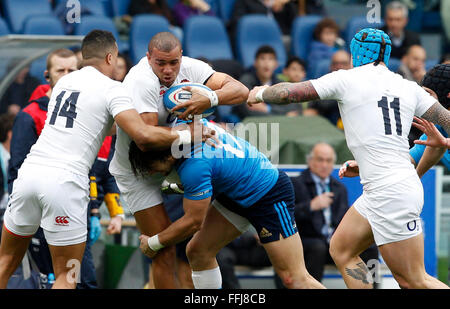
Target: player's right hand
[
  {"x": 208, "y": 135},
  {"x": 349, "y": 169},
  {"x": 252, "y": 95}
]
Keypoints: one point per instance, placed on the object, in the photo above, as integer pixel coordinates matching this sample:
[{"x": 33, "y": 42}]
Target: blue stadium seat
[
  {"x": 256, "y": 30},
  {"x": 4, "y": 30},
  {"x": 302, "y": 34},
  {"x": 226, "y": 9},
  {"x": 171, "y": 3},
  {"x": 394, "y": 64},
  {"x": 17, "y": 11},
  {"x": 355, "y": 24},
  {"x": 48, "y": 25},
  {"x": 38, "y": 67},
  {"x": 91, "y": 22},
  {"x": 205, "y": 36},
  {"x": 142, "y": 29},
  {"x": 120, "y": 7},
  {"x": 430, "y": 63}
]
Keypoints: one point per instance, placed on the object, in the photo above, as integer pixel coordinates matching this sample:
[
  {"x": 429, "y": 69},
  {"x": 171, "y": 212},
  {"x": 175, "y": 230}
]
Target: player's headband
[{"x": 370, "y": 45}]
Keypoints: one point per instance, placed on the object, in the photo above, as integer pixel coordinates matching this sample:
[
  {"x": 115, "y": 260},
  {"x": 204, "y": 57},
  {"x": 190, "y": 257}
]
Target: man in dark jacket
[{"x": 320, "y": 204}]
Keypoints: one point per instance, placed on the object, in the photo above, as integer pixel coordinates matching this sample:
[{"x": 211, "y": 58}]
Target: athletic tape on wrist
[
  {"x": 184, "y": 137},
  {"x": 154, "y": 244},
  {"x": 213, "y": 98},
  {"x": 259, "y": 95}
]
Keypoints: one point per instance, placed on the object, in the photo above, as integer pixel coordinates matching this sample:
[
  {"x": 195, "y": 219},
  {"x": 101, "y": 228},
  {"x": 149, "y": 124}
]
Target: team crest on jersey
[{"x": 62, "y": 220}]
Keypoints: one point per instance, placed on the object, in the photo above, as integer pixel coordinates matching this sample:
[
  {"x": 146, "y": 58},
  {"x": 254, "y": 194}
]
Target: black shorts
[{"x": 273, "y": 214}]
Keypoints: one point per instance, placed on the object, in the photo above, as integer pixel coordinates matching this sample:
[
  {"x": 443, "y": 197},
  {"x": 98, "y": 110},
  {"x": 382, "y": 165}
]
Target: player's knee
[
  {"x": 165, "y": 259},
  {"x": 196, "y": 252},
  {"x": 409, "y": 282},
  {"x": 337, "y": 251}
]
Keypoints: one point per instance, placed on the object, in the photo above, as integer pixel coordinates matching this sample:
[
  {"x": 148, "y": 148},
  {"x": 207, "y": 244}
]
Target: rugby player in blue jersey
[{"x": 244, "y": 189}]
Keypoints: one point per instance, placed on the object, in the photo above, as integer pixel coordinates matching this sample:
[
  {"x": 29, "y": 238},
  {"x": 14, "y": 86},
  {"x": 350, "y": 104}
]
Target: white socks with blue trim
[{"x": 207, "y": 279}]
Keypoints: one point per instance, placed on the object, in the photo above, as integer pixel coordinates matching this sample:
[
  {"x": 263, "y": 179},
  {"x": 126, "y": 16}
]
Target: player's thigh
[
  {"x": 219, "y": 228},
  {"x": 405, "y": 258},
  {"x": 67, "y": 261},
  {"x": 140, "y": 193},
  {"x": 286, "y": 254},
  {"x": 352, "y": 236}
]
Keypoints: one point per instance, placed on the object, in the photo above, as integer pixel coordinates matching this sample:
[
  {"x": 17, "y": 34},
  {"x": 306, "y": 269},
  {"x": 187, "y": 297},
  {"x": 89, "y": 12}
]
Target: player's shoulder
[{"x": 188, "y": 63}]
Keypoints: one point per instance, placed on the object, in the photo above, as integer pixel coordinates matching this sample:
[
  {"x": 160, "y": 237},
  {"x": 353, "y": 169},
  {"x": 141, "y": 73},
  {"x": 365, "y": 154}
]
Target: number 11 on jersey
[{"x": 395, "y": 105}]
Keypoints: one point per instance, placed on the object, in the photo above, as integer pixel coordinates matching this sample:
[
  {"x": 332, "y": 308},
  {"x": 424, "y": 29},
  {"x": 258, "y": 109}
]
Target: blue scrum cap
[{"x": 370, "y": 45}]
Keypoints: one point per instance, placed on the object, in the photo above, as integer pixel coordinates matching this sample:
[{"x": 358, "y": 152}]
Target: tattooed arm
[
  {"x": 438, "y": 115},
  {"x": 283, "y": 93}
]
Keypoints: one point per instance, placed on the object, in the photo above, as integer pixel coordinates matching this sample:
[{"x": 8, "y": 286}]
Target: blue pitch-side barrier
[{"x": 428, "y": 215}]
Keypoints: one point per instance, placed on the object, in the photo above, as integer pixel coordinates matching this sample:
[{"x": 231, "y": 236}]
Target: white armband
[
  {"x": 213, "y": 98},
  {"x": 184, "y": 137},
  {"x": 154, "y": 244}
]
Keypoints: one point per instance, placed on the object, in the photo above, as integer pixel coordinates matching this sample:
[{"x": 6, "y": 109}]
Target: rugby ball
[{"x": 176, "y": 95}]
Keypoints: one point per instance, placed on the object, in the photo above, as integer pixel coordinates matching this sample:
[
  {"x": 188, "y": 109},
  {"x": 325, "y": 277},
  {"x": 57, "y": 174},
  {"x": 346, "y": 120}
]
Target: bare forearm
[
  {"x": 156, "y": 138},
  {"x": 178, "y": 231},
  {"x": 430, "y": 157},
  {"x": 232, "y": 92},
  {"x": 438, "y": 115},
  {"x": 285, "y": 93}
]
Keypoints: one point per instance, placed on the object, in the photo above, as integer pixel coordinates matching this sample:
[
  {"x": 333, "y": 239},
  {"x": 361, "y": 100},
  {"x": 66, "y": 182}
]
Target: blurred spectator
[
  {"x": 18, "y": 93},
  {"x": 326, "y": 42},
  {"x": 413, "y": 64},
  {"x": 122, "y": 67},
  {"x": 262, "y": 73},
  {"x": 184, "y": 9},
  {"x": 294, "y": 71},
  {"x": 313, "y": 7},
  {"x": 396, "y": 19},
  {"x": 6, "y": 124},
  {"x": 329, "y": 108},
  {"x": 158, "y": 7},
  {"x": 284, "y": 12},
  {"x": 320, "y": 204},
  {"x": 245, "y": 250}
]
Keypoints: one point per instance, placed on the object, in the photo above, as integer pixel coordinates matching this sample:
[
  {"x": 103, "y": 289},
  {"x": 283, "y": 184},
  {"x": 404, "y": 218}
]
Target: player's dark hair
[
  {"x": 97, "y": 44},
  {"x": 163, "y": 41},
  {"x": 265, "y": 49},
  {"x": 142, "y": 161}
]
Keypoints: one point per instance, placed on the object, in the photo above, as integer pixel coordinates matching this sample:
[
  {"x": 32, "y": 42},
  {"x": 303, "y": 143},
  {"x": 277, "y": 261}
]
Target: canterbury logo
[
  {"x": 62, "y": 220},
  {"x": 264, "y": 233}
]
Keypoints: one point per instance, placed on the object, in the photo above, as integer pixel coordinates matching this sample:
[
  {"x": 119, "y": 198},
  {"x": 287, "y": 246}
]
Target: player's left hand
[
  {"x": 96, "y": 230},
  {"x": 434, "y": 137},
  {"x": 198, "y": 103},
  {"x": 252, "y": 95},
  {"x": 145, "y": 248},
  {"x": 115, "y": 225}
]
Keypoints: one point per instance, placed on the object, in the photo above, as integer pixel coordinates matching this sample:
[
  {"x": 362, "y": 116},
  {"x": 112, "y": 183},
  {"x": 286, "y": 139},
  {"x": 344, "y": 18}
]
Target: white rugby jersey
[
  {"x": 147, "y": 94},
  {"x": 377, "y": 108},
  {"x": 80, "y": 113}
]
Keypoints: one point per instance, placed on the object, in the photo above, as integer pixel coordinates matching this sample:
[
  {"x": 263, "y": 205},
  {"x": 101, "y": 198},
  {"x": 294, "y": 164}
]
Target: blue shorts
[{"x": 273, "y": 214}]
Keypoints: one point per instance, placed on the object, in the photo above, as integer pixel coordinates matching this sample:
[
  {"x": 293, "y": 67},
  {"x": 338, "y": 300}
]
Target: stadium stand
[
  {"x": 142, "y": 30},
  {"x": 255, "y": 30},
  {"x": 4, "y": 30},
  {"x": 96, "y": 7},
  {"x": 120, "y": 7},
  {"x": 302, "y": 34},
  {"x": 16, "y": 14},
  {"x": 355, "y": 24},
  {"x": 48, "y": 25},
  {"x": 226, "y": 9},
  {"x": 205, "y": 36}
]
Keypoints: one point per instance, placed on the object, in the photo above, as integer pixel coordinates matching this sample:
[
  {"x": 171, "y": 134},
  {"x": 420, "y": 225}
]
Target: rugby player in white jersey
[
  {"x": 52, "y": 187},
  {"x": 377, "y": 107},
  {"x": 164, "y": 66}
]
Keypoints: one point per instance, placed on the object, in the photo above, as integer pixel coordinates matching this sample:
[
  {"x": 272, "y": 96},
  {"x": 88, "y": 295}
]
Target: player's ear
[
  {"x": 108, "y": 58},
  {"x": 47, "y": 75}
]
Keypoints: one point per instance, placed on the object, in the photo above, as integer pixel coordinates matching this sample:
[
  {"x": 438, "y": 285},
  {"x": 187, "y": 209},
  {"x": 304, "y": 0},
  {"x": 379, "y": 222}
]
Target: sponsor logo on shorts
[
  {"x": 62, "y": 220},
  {"x": 264, "y": 233},
  {"x": 412, "y": 225},
  {"x": 200, "y": 193}
]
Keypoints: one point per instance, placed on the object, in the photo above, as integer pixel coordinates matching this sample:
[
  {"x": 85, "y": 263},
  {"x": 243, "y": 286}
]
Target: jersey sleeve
[
  {"x": 424, "y": 101},
  {"x": 331, "y": 86},
  {"x": 145, "y": 95},
  {"x": 199, "y": 70},
  {"x": 118, "y": 100},
  {"x": 195, "y": 175},
  {"x": 417, "y": 151}
]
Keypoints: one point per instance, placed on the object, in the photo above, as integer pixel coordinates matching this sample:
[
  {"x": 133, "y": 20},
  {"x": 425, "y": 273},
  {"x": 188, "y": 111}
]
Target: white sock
[{"x": 207, "y": 279}]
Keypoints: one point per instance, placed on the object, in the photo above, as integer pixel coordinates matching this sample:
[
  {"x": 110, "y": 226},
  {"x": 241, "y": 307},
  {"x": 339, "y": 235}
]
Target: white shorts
[
  {"x": 394, "y": 211},
  {"x": 53, "y": 198},
  {"x": 140, "y": 193},
  {"x": 240, "y": 223}
]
